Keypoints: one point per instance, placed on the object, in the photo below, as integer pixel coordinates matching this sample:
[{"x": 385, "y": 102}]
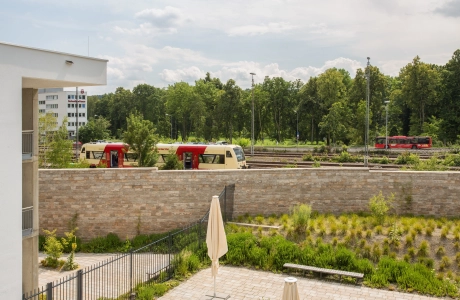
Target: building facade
[
  {"x": 23, "y": 71},
  {"x": 65, "y": 104}
]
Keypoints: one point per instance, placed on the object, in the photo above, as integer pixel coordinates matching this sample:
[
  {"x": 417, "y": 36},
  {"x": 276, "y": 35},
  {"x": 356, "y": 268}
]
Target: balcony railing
[
  {"x": 27, "y": 220},
  {"x": 27, "y": 144}
]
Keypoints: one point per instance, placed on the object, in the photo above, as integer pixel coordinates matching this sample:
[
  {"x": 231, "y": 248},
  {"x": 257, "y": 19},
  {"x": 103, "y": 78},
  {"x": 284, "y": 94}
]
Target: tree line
[{"x": 424, "y": 99}]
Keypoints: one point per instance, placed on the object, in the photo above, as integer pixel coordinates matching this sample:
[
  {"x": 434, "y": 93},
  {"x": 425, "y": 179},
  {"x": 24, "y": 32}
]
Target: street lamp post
[
  {"x": 170, "y": 121},
  {"x": 386, "y": 124},
  {"x": 297, "y": 128},
  {"x": 252, "y": 116},
  {"x": 366, "y": 139}
]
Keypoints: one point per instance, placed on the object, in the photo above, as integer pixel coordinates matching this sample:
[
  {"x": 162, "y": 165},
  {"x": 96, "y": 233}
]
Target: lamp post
[
  {"x": 386, "y": 124},
  {"x": 297, "y": 128},
  {"x": 76, "y": 123},
  {"x": 170, "y": 121},
  {"x": 366, "y": 139},
  {"x": 252, "y": 114}
]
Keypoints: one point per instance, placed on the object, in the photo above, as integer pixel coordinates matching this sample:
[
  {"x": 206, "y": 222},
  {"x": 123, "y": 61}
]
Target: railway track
[
  {"x": 308, "y": 164},
  {"x": 254, "y": 164}
]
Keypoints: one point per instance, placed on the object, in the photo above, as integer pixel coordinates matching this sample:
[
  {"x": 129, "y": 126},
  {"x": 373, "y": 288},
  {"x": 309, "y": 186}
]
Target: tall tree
[
  {"x": 60, "y": 155},
  {"x": 420, "y": 83},
  {"x": 141, "y": 138},
  {"x": 450, "y": 111},
  {"x": 96, "y": 129}
]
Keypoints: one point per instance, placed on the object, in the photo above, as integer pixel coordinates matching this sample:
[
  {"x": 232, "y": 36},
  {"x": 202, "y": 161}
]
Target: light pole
[
  {"x": 297, "y": 130},
  {"x": 170, "y": 121},
  {"x": 386, "y": 124},
  {"x": 366, "y": 140},
  {"x": 252, "y": 114}
]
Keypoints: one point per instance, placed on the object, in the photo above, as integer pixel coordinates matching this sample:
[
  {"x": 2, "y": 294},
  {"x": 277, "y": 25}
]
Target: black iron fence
[{"x": 119, "y": 276}]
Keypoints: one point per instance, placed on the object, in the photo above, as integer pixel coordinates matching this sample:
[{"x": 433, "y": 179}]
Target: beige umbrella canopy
[{"x": 216, "y": 240}]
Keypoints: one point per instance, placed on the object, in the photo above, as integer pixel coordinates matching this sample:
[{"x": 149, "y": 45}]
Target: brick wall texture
[{"x": 145, "y": 200}]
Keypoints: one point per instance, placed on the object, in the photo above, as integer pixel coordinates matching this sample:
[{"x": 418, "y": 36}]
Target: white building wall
[
  {"x": 11, "y": 184},
  {"x": 66, "y": 105},
  {"x": 22, "y": 67}
]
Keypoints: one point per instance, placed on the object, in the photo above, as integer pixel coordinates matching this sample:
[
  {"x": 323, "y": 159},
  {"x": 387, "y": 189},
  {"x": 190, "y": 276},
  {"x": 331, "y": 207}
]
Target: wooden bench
[{"x": 359, "y": 276}]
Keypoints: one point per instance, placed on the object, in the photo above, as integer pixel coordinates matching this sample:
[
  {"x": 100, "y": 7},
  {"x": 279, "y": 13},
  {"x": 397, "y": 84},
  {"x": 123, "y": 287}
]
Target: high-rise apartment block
[{"x": 63, "y": 104}]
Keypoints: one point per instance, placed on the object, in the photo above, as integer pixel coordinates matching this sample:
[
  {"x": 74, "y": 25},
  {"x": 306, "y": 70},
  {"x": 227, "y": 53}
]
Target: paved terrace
[{"x": 245, "y": 284}]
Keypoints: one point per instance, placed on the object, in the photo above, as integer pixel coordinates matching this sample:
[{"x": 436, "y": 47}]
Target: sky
[{"x": 162, "y": 42}]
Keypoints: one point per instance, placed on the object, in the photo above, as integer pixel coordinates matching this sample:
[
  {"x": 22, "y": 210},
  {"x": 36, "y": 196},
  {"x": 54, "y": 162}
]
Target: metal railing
[
  {"x": 27, "y": 220},
  {"x": 27, "y": 144},
  {"x": 119, "y": 276}
]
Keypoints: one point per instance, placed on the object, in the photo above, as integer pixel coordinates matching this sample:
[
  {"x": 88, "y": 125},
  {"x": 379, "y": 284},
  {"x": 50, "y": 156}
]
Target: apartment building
[
  {"x": 23, "y": 71},
  {"x": 63, "y": 104}
]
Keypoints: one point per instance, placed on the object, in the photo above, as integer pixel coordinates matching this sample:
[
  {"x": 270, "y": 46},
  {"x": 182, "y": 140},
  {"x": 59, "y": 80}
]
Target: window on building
[
  {"x": 83, "y": 97},
  {"x": 68, "y": 123},
  {"x": 83, "y": 123},
  {"x": 69, "y": 115},
  {"x": 79, "y": 105},
  {"x": 73, "y": 105},
  {"x": 83, "y": 105},
  {"x": 51, "y": 97},
  {"x": 42, "y": 111},
  {"x": 83, "y": 114},
  {"x": 55, "y": 115},
  {"x": 41, "y": 102}
]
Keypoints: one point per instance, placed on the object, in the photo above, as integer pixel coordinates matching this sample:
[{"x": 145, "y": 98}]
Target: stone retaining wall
[{"x": 145, "y": 200}]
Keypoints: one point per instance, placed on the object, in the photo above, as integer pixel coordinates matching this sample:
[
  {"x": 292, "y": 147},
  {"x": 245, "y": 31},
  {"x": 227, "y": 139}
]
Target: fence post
[
  {"x": 49, "y": 291},
  {"x": 169, "y": 254},
  {"x": 131, "y": 271},
  {"x": 79, "y": 285},
  {"x": 225, "y": 204}
]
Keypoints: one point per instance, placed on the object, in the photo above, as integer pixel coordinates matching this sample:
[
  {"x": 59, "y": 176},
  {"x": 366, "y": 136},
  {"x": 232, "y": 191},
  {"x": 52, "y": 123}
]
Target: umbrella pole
[{"x": 214, "y": 296}]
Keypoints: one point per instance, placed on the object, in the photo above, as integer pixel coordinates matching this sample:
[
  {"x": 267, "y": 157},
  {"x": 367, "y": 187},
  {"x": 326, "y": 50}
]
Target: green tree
[
  {"x": 59, "y": 154},
  {"x": 420, "y": 83},
  {"x": 46, "y": 128},
  {"x": 172, "y": 162},
  {"x": 96, "y": 129},
  {"x": 450, "y": 111},
  {"x": 141, "y": 138}
]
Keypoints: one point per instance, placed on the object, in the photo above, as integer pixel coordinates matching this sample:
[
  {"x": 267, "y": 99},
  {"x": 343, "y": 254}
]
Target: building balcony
[
  {"x": 27, "y": 144},
  {"x": 27, "y": 220}
]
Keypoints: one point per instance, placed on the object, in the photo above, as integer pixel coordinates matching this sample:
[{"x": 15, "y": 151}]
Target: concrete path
[{"x": 245, "y": 284}]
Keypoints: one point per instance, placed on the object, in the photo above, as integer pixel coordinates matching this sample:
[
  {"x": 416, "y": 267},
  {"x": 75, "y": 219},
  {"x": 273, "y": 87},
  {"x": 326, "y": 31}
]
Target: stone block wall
[{"x": 145, "y": 200}]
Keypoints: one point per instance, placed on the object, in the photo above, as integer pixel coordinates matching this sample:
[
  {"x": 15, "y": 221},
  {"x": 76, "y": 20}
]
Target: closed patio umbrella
[{"x": 216, "y": 240}]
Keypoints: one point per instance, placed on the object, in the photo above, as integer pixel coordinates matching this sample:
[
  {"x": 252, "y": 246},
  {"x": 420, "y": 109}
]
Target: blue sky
[{"x": 162, "y": 42}]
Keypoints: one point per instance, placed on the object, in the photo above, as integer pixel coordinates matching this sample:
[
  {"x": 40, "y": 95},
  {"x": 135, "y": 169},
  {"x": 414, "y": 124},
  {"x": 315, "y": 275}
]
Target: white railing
[
  {"x": 27, "y": 144},
  {"x": 27, "y": 220}
]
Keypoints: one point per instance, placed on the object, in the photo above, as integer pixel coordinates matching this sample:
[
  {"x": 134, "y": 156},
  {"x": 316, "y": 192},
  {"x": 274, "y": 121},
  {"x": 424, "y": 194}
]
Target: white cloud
[
  {"x": 239, "y": 71},
  {"x": 166, "y": 20},
  {"x": 251, "y": 30},
  {"x": 169, "y": 17},
  {"x": 187, "y": 74}
]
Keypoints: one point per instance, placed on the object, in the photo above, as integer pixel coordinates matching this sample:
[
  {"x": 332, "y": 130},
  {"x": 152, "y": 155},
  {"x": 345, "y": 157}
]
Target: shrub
[
  {"x": 307, "y": 157},
  {"x": 444, "y": 233},
  {"x": 424, "y": 249},
  {"x": 300, "y": 216},
  {"x": 409, "y": 241},
  {"x": 259, "y": 220},
  {"x": 407, "y": 158},
  {"x": 385, "y": 160},
  {"x": 440, "y": 251},
  {"x": 429, "y": 231},
  {"x": 379, "y": 206},
  {"x": 172, "y": 162},
  {"x": 53, "y": 249}
]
